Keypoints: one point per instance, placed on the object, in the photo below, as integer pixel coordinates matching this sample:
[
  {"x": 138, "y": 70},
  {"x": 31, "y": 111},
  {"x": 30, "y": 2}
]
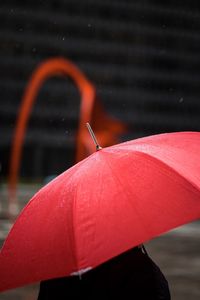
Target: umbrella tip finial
[{"x": 98, "y": 147}]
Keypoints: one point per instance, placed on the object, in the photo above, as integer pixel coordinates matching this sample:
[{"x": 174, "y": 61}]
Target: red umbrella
[{"x": 115, "y": 199}]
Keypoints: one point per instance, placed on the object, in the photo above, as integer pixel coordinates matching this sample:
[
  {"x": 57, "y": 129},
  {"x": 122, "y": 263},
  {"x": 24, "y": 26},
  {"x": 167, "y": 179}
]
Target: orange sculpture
[{"x": 106, "y": 128}]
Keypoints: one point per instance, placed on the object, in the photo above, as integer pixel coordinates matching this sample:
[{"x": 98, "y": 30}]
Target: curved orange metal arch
[
  {"x": 51, "y": 67},
  {"x": 91, "y": 110}
]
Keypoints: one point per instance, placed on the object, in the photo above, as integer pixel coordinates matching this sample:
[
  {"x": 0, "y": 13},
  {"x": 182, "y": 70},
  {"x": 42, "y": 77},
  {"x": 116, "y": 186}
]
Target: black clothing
[{"x": 131, "y": 275}]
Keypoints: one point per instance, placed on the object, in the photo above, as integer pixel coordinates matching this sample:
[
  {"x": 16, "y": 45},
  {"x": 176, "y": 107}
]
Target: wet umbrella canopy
[{"x": 115, "y": 199}]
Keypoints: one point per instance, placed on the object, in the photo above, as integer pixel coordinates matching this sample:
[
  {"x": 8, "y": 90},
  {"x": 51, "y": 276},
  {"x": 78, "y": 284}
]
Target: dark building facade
[{"x": 142, "y": 56}]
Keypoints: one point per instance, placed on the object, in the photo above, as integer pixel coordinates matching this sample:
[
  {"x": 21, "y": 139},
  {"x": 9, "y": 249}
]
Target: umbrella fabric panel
[
  {"x": 180, "y": 150},
  {"x": 38, "y": 239}
]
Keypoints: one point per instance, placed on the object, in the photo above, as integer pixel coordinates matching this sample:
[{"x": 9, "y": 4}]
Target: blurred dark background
[{"x": 142, "y": 56}]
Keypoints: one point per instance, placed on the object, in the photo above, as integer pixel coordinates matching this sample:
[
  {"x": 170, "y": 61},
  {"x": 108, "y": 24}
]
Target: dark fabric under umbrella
[{"x": 131, "y": 275}]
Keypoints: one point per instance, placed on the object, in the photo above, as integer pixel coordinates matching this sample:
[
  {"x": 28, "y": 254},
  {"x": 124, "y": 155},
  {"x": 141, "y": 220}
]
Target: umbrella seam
[
  {"x": 127, "y": 194},
  {"x": 74, "y": 210},
  {"x": 193, "y": 188},
  {"x": 164, "y": 164},
  {"x": 152, "y": 157}
]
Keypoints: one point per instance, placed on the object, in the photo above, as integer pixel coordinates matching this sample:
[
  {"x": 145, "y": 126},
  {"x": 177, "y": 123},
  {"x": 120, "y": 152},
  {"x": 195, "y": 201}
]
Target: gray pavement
[{"x": 177, "y": 253}]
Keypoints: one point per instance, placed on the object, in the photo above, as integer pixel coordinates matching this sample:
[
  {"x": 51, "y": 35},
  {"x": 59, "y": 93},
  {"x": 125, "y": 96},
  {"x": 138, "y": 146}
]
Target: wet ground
[{"x": 177, "y": 253}]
